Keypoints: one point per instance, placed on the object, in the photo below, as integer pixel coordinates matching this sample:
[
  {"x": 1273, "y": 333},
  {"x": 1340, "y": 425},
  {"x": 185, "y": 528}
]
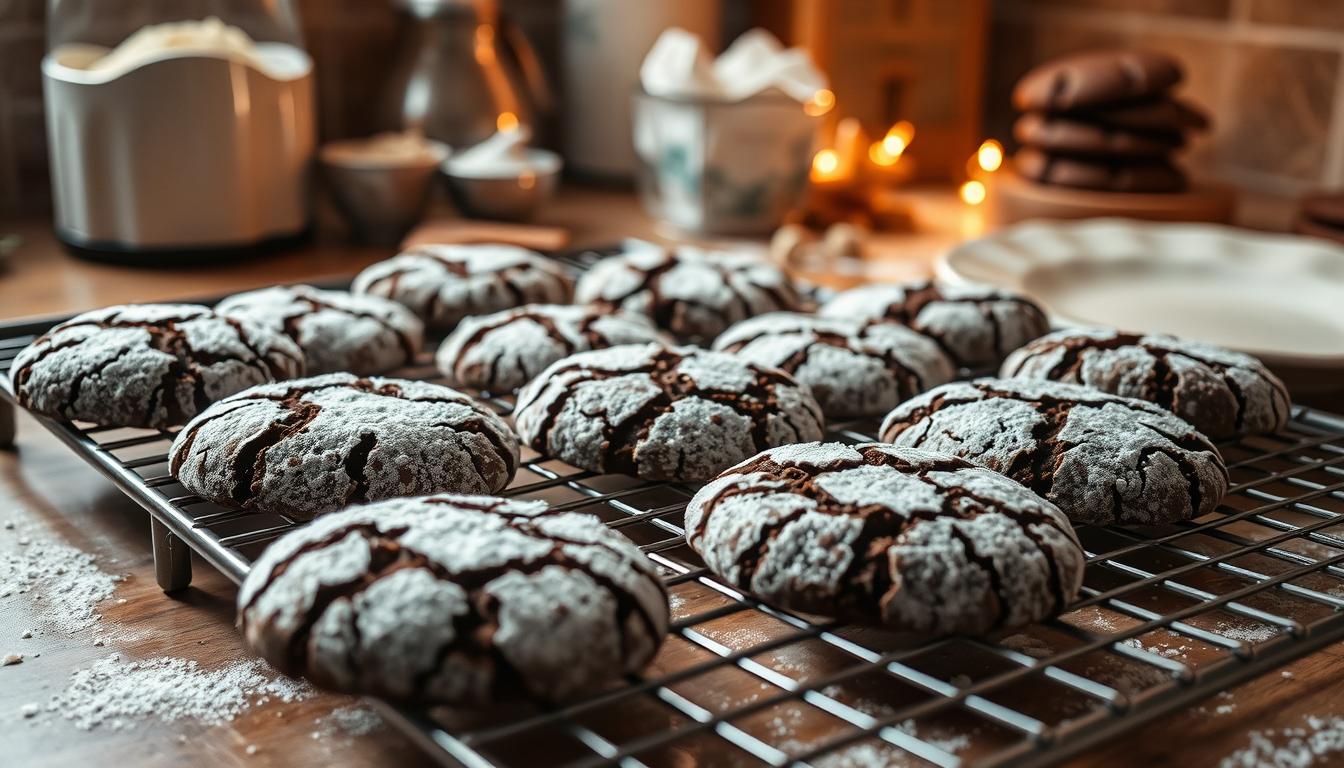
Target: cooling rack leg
[
  {"x": 172, "y": 558},
  {"x": 6, "y": 425}
]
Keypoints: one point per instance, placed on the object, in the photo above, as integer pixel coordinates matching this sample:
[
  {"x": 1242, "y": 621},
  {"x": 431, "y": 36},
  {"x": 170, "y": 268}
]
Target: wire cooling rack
[{"x": 1168, "y": 616}]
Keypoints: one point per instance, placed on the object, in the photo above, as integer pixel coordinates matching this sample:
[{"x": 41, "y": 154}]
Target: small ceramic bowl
[
  {"x": 509, "y": 198},
  {"x": 381, "y": 197}
]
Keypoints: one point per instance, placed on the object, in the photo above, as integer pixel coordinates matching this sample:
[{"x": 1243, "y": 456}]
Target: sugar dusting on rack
[{"x": 1291, "y": 483}]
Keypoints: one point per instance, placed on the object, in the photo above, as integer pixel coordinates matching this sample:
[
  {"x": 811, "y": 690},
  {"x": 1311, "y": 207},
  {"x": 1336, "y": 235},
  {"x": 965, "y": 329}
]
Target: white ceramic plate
[{"x": 1278, "y": 297}]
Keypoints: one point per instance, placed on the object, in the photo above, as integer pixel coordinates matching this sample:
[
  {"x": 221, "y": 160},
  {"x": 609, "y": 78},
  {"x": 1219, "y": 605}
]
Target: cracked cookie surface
[
  {"x": 338, "y": 331},
  {"x": 853, "y": 369},
  {"x": 1099, "y": 457},
  {"x": 442, "y": 284},
  {"x": 690, "y": 293},
  {"x": 977, "y": 327},
  {"x": 909, "y": 539},
  {"x": 147, "y": 365},
  {"x": 1221, "y": 392},
  {"x": 458, "y": 600},
  {"x": 504, "y": 351},
  {"x": 305, "y": 447},
  {"x": 662, "y": 413}
]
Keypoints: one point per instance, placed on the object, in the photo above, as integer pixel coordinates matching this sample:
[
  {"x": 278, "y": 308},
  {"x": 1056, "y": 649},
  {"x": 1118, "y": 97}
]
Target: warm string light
[
  {"x": 987, "y": 159},
  {"x": 821, "y": 102},
  {"x": 825, "y": 163},
  {"x": 507, "y": 121},
  {"x": 889, "y": 150},
  {"x": 972, "y": 192},
  {"x": 989, "y": 156}
]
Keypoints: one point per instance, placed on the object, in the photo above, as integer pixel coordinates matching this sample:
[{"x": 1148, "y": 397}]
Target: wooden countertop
[{"x": 48, "y": 493}]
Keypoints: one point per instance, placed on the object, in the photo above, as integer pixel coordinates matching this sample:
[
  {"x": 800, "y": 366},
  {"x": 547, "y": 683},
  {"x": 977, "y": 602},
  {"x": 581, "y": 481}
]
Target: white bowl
[{"x": 509, "y": 197}]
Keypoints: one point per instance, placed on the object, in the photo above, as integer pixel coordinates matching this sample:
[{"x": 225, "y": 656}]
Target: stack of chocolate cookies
[
  {"x": 1321, "y": 215},
  {"x": 1104, "y": 120}
]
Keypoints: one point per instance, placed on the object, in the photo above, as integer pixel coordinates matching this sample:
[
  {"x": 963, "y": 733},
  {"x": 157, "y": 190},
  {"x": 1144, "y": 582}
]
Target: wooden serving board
[{"x": 1012, "y": 199}]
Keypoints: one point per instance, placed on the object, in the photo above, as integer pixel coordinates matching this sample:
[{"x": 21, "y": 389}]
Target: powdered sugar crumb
[
  {"x": 354, "y": 720},
  {"x": 1255, "y": 633},
  {"x": 114, "y": 693},
  {"x": 1319, "y": 741},
  {"x": 1028, "y": 645},
  {"x": 1159, "y": 649},
  {"x": 869, "y": 754},
  {"x": 675, "y": 602}
]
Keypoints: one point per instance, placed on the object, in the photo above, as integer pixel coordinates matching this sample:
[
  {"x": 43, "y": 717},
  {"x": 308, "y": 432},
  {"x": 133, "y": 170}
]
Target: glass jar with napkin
[{"x": 725, "y": 145}]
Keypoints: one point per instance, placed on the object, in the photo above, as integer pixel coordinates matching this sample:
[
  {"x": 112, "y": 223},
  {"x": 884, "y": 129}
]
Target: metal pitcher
[{"x": 463, "y": 73}]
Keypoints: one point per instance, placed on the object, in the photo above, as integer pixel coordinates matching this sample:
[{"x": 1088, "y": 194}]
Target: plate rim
[{"x": 946, "y": 269}]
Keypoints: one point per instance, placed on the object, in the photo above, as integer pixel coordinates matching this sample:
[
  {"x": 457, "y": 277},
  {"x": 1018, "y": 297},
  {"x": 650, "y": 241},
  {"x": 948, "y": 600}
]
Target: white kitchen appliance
[{"x": 177, "y": 127}]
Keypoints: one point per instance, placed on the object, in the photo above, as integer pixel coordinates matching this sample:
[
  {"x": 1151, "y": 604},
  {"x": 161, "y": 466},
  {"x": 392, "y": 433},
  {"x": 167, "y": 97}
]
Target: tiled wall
[
  {"x": 1269, "y": 71},
  {"x": 24, "y": 188}
]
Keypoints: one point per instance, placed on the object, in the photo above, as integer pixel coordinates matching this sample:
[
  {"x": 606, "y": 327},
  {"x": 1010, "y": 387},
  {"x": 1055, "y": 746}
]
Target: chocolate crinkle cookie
[
  {"x": 504, "y": 351},
  {"x": 338, "y": 331},
  {"x": 1099, "y": 457},
  {"x": 853, "y": 369},
  {"x": 976, "y": 326},
  {"x": 692, "y": 294},
  {"x": 909, "y": 539},
  {"x": 1222, "y": 393},
  {"x": 305, "y": 447},
  {"x": 442, "y": 284},
  {"x": 662, "y": 413},
  {"x": 1096, "y": 78},
  {"x": 147, "y": 365},
  {"x": 456, "y": 600}
]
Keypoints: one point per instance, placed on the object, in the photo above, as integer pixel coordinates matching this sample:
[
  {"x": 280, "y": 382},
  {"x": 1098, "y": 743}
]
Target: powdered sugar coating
[
  {"x": 910, "y": 539},
  {"x": 690, "y": 293},
  {"x": 853, "y": 369},
  {"x": 1099, "y": 457},
  {"x": 504, "y": 351},
  {"x": 662, "y": 413},
  {"x": 442, "y": 284},
  {"x": 976, "y": 326},
  {"x": 302, "y": 448},
  {"x": 147, "y": 365},
  {"x": 1221, "y": 392},
  {"x": 459, "y": 600},
  {"x": 338, "y": 331}
]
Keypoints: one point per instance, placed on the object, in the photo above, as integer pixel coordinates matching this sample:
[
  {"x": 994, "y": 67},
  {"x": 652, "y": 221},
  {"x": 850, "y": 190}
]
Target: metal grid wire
[{"x": 1169, "y": 615}]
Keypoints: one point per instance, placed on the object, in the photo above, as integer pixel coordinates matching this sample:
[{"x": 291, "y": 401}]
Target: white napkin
[
  {"x": 679, "y": 66},
  {"x": 751, "y": 51}
]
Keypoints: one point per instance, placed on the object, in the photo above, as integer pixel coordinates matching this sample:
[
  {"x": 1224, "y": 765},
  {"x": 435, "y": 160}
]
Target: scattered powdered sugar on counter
[
  {"x": 1159, "y": 648},
  {"x": 869, "y": 754},
  {"x": 114, "y": 693},
  {"x": 1247, "y": 633},
  {"x": 65, "y": 584},
  {"x": 1320, "y": 741},
  {"x": 354, "y": 720}
]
